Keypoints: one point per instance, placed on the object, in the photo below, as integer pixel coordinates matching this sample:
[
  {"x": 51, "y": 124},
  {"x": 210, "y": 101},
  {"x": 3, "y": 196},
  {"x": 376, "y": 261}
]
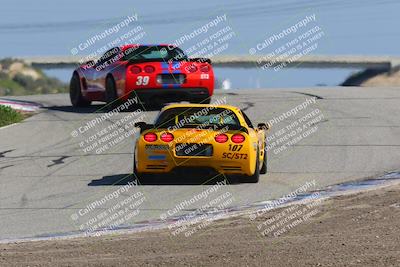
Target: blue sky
[
  {"x": 52, "y": 27},
  {"x": 357, "y": 27}
]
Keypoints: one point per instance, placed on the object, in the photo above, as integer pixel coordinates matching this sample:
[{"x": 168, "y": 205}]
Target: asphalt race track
[{"x": 46, "y": 179}]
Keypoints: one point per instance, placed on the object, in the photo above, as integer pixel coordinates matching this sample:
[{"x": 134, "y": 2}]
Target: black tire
[
  {"x": 264, "y": 167},
  {"x": 141, "y": 177},
  {"x": 136, "y": 175},
  {"x": 75, "y": 92},
  {"x": 153, "y": 105},
  {"x": 111, "y": 97},
  {"x": 256, "y": 176}
]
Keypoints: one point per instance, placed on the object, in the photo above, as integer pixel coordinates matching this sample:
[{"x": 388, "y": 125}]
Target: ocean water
[
  {"x": 237, "y": 78},
  {"x": 357, "y": 27}
]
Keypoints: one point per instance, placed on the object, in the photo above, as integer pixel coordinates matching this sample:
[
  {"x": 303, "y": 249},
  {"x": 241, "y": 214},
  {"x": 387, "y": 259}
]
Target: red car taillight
[
  {"x": 192, "y": 68},
  {"x": 135, "y": 69},
  {"x": 149, "y": 69},
  {"x": 237, "y": 138},
  {"x": 204, "y": 68},
  {"x": 221, "y": 138},
  {"x": 150, "y": 137},
  {"x": 167, "y": 137}
]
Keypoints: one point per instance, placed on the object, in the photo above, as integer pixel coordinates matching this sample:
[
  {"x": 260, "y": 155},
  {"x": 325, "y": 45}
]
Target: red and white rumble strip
[{"x": 21, "y": 105}]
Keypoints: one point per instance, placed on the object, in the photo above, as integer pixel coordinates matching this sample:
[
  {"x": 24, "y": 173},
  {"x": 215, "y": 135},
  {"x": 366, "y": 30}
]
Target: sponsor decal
[{"x": 157, "y": 157}]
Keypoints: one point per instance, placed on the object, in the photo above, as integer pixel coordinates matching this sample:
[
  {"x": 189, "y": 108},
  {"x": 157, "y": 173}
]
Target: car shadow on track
[
  {"x": 102, "y": 108},
  {"x": 90, "y": 109},
  {"x": 124, "y": 179}
]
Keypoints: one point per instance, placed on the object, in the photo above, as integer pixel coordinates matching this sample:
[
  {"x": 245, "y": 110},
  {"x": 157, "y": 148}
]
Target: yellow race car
[{"x": 191, "y": 136}]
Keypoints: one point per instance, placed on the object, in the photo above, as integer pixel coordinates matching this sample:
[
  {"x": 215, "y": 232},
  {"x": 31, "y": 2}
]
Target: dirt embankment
[
  {"x": 372, "y": 78},
  {"x": 354, "y": 230},
  {"x": 18, "y": 78}
]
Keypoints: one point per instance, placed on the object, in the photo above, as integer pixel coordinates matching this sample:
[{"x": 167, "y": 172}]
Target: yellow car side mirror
[{"x": 264, "y": 126}]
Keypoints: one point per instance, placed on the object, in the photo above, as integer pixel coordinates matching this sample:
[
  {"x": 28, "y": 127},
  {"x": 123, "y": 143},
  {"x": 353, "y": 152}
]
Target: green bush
[
  {"x": 9, "y": 116},
  {"x": 3, "y": 76},
  {"x": 24, "y": 81}
]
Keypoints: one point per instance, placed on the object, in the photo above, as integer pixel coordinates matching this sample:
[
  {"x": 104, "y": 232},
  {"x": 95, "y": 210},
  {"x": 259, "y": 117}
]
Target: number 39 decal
[{"x": 142, "y": 80}]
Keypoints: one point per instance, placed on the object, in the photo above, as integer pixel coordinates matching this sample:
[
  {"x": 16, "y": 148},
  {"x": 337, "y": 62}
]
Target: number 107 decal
[{"x": 235, "y": 147}]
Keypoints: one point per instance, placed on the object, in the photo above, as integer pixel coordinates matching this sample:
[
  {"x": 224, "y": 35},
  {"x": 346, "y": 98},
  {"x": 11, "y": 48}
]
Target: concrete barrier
[{"x": 245, "y": 61}]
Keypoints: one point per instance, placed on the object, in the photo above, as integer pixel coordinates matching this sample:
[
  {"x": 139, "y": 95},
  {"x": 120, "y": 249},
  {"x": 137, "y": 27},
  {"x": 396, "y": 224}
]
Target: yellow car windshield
[{"x": 189, "y": 117}]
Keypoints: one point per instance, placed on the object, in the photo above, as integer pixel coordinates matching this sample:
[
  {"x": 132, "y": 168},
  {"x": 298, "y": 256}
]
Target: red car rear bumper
[{"x": 170, "y": 94}]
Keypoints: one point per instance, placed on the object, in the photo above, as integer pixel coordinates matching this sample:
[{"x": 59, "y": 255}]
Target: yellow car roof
[{"x": 199, "y": 106}]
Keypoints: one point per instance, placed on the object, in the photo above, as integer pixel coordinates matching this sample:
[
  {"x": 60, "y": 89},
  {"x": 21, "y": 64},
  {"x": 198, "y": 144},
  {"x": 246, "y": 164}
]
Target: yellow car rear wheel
[
  {"x": 256, "y": 176},
  {"x": 264, "y": 165}
]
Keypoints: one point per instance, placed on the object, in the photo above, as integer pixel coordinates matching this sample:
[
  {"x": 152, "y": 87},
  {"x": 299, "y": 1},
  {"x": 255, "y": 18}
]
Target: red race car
[{"x": 155, "y": 74}]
